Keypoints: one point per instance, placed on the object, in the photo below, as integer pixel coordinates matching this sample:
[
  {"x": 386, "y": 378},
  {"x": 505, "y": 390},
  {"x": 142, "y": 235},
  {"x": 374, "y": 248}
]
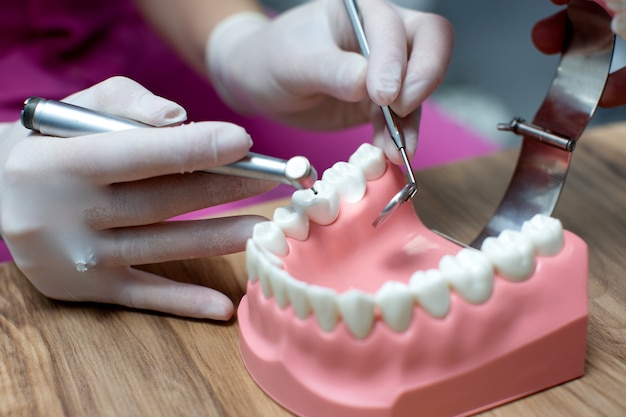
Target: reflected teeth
[
  {"x": 323, "y": 207},
  {"x": 348, "y": 180},
  {"x": 371, "y": 160},
  {"x": 470, "y": 273},
  {"x": 431, "y": 291},
  {"x": 293, "y": 221},
  {"x": 512, "y": 254},
  {"x": 546, "y": 234}
]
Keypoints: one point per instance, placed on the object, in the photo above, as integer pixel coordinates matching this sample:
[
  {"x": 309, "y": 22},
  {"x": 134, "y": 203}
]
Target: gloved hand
[
  {"x": 304, "y": 67},
  {"x": 76, "y": 213},
  {"x": 548, "y": 35}
]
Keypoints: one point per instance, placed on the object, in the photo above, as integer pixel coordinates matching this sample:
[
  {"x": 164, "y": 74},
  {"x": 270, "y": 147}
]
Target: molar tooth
[
  {"x": 512, "y": 253},
  {"x": 470, "y": 272},
  {"x": 297, "y": 295},
  {"x": 431, "y": 291},
  {"x": 395, "y": 301},
  {"x": 546, "y": 234},
  {"x": 269, "y": 236},
  {"x": 324, "y": 303},
  {"x": 357, "y": 311},
  {"x": 348, "y": 180},
  {"x": 293, "y": 221},
  {"x": 278, "y": 280},
  {"x": 371, "y": 160},
  {"x": 323, "y": 207}
]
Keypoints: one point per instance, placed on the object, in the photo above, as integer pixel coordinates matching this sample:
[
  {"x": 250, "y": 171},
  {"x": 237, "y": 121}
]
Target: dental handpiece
[{"x": 55, "y": 118}]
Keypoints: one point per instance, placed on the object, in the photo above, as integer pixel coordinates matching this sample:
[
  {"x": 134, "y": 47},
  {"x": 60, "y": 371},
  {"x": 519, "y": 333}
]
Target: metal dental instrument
[
  {"x": 391, "y": 120},
  {"x": 60, "y": 119},
  {"x": 548, "y": 141}
]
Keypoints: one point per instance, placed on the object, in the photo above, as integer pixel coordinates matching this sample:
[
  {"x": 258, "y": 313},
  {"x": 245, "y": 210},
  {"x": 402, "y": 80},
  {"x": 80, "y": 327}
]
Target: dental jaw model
[{"x": 343, "y": 319}]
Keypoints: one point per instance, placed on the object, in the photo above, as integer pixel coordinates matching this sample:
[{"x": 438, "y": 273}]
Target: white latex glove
[
  {"x": 618, "y": 23},
  {"x": 77, "y": 213},
  {"x": 304, "y": 67}
]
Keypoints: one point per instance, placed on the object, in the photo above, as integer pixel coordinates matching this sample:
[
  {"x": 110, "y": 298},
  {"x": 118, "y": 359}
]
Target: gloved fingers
[
  {"x": 548, "y": 34},
  {"x": 144, "y": 153},
  {"x": 143, "y": 290},
  {"x": 410, "y": 127},
  {"x": 332, "y": 72},
  {"x": 430, "y": 42},
  {"x": 121, "y": 96},
  {"x": 169, "y": 241},
  {"x": 613, "y": 95},
  {"x": 387, "y": 39},
  {"x": 156, "y": 199}
]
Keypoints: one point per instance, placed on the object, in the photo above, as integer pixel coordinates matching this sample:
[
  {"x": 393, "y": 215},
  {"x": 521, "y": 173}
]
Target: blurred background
[{"x": 495, "y": 72}]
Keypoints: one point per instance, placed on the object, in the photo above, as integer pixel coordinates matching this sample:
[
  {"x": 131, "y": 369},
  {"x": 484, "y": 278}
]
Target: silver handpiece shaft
[{"x": 60, "y": 119}]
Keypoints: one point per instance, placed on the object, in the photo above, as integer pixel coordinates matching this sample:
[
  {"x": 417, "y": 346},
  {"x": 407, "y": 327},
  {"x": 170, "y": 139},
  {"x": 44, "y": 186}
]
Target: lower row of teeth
[{"x": 470, "y": 273}]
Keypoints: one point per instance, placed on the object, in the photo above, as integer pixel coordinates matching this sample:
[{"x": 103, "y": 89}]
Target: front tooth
[
  {"x": 293, "y": 221},
  {"x": 512, "y": 253},
  {"x": 269, "y": 236},
  {"x": 297, "y": 295},
  {"x": 546, "y": 234},
  {"x": 252, "y": 260},
  {"x": 265, "y": 270},
  {"x": 323, "y": 207},
  {"x": 396, "y": 305},
  {"x": 371, "y": 160},
  {"x": 348, "y": 180},
  {"x": 324, "y": 303},
  {"x": 278, "y": 280},
  {"x": 470, "y": 272},
  {"x": 431, "y": 291},
  {"x": 357, "y": 311}
]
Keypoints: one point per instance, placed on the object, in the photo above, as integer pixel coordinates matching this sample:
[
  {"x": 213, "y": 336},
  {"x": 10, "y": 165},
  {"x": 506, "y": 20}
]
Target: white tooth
[
  {"x": 297, "y": 295},
  {"x": 512, "y": 253},
  {"x": 324, "y": 303},
  {"x": 431, "y": 291},
  {"x": 357, "y": 311},
  {"x": 348, "y": 180},
  {"x": 546, "y": 233},
  {"x": 293, "y": 221},
  {"x": 278, "y": 280},
  {"x": 265, "y": 269},
  {"x": 323, "y": 207},
  {"x": 371, "y": 160},
  {"x": 252, "y": 260},
  {"x": 395, "y": 301},
  {"x": 269, "y": 236},
  {"x": 470, "y": 273}
]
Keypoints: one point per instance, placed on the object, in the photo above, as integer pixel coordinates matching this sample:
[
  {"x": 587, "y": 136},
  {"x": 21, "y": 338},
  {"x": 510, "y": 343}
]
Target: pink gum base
[{"x": 527, "y": 337}]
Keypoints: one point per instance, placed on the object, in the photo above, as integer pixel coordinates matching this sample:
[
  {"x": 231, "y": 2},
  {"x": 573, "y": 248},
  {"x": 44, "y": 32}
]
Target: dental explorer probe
[
  {"x": 55, "y": 118},
  {"x": 391, "y": 120}
]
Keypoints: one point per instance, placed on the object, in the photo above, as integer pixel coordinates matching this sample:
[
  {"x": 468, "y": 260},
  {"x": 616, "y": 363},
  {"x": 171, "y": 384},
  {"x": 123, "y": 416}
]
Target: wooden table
[{"x": 80, "y": 359}]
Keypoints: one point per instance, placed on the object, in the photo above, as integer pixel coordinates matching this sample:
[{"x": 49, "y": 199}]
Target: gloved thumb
[{"x": 121, "y": 96}]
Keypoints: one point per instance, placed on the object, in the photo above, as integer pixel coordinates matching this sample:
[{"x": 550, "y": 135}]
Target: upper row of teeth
[{"x": 470, "y": 273}]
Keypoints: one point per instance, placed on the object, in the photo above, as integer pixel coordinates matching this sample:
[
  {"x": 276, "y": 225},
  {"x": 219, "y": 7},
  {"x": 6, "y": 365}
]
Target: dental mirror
[{"x": 405, "y": 194}]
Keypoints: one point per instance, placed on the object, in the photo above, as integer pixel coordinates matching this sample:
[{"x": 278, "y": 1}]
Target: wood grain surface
[{"x": 63, "y": 359}]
